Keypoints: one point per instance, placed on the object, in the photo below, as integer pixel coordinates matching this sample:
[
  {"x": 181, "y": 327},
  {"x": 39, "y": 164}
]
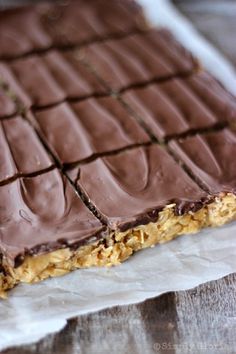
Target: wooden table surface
[{"x": 202, "y": 320}]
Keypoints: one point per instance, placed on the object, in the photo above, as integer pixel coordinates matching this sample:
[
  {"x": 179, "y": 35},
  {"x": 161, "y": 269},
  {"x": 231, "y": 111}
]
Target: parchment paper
[{"x": 31, "y": 312}]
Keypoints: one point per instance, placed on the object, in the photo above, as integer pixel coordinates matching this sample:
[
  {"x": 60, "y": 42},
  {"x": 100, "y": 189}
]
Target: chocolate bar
[
  {"x": 112, "y": 139},
  {"x": 134, "y": 199}
]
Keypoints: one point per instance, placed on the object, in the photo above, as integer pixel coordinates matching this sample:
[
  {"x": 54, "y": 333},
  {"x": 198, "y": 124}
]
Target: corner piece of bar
[
  {"x": 131, "y": 188},
  {"x": 209, "y": 157},
  {"x": 182, "y": 106},
  {"x": 46, "y": 230},
  {"x": 43, "y": 214},
  {"x": 138, "y": 59}
]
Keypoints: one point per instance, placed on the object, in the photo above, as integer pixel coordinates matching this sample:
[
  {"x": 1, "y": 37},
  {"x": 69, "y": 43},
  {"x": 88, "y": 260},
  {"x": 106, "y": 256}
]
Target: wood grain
[{"x": 202, "y": 320}]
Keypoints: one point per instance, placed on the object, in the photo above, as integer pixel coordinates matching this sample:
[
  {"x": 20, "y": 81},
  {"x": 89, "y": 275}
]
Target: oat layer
[{"x": 119, "y": 246}]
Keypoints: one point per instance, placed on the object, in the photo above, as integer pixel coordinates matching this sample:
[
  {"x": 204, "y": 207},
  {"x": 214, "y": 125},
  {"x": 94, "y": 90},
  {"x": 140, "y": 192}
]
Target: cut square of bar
[
  {"x": 182, "y": 106},
  {"x": 129, "y": 189},
  {"x": 54, "y": 77},
  {"x": 21, "y": 151},
  {"x": 209, "y": 159},
  {"x": 88, "y": 128},
  {"x": 138, "y": 59},
  {"x": 39, "y": 27},
  {"x": 43, "y": 223}
]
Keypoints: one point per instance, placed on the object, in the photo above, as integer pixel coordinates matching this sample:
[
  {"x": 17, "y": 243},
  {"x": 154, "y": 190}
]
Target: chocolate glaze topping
[
  {"x": 21, "y": 152},
  {"x": 210, "y": 158},
  {"x": 180, "y": 106},
  {"x": 130, "y": 188},
  {"x": 78, "y": 131},
  {"x": 34, "y": 28},
  {"x": 41, "y": 214},
  {"x": 138, "y": 58}
]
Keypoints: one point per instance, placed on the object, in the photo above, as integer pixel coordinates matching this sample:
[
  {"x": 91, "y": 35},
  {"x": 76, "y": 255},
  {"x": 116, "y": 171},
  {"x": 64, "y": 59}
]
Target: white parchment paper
[{"x": 31, "y": 312}]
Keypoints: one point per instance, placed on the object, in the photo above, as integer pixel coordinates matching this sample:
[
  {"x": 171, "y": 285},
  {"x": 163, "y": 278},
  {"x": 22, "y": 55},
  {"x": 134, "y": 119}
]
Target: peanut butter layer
[{"x": 119, "y": 246}]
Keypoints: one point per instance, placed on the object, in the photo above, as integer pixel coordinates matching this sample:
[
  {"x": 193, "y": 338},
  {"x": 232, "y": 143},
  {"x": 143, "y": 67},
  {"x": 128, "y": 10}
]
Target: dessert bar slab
[
  {"x": 112, "y": 139},
  {"x": 125, "y": 202}
]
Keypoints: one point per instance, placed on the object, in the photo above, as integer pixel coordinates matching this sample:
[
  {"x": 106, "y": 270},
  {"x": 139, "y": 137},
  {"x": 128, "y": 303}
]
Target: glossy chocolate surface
[
  {"x": 181, "y": 106},
  {"x": 54, "y": 77},
  {"x": 7, "y": 104},
  {"x": 12, "y": 95},
  {"x": 21, "y": 152},
  {"x": 138, "y": 58},
  {"x": 41, "y": 214},
  {"x": 78, "y": 131},
  {"x": 130, "y": 188},
  {"x": 37, "y": 28},
  {"x": 210, "y": 157}
]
